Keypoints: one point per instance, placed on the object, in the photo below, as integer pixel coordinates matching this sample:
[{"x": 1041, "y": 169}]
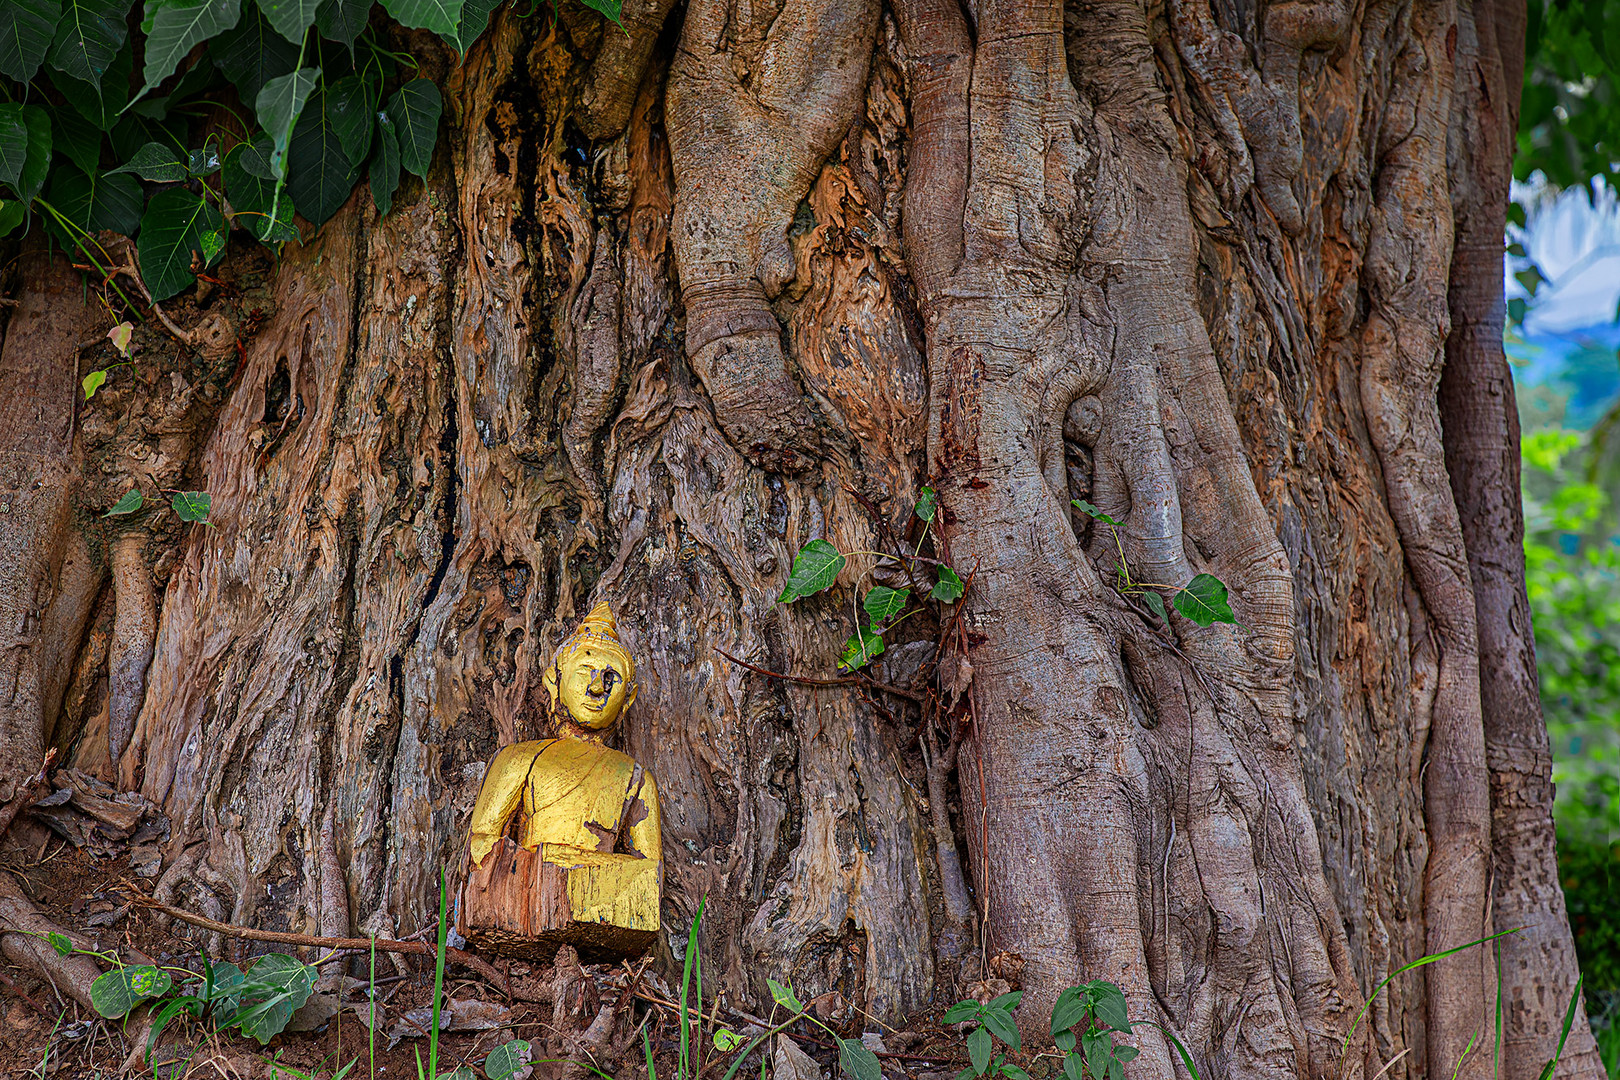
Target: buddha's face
[{"x": 593, "y": 685}]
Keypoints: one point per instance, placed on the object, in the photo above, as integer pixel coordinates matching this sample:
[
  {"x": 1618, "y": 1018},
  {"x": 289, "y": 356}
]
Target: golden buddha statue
[{"x": 586, "y": 865}]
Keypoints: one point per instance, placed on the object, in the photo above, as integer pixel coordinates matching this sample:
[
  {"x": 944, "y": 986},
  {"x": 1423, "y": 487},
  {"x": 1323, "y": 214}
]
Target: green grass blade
[
  {"x": 1186, "y": 1056},
  {"x": 686, "y": 985},
  {"x": 1419, "y": 962},
  {"x": 1551, "y": 1067},
  {"x": 646, "y": 1044},
  {"x": 438, "y": 983}
]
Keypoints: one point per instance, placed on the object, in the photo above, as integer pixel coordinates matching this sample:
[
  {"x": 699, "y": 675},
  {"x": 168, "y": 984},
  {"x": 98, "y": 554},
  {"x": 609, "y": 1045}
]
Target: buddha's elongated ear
[
  {"x": 549, "y": 680},
  {"x": 629, "y": 696}
]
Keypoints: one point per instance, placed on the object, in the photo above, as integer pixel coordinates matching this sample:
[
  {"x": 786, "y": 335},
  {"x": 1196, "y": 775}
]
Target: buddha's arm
[
  {"x": 499, "y": 798},
  {"x": 646, "y": 836}
]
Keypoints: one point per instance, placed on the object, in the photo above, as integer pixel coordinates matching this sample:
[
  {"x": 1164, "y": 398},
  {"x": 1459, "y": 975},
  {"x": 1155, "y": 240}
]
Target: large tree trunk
[{"x": 676, "y": 302}]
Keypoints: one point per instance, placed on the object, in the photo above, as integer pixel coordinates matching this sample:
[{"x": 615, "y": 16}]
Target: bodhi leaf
[
  {"x": 26, "y": 28},
  {"x": 171, "y": 230},
  {"x": 92, "y": 382},
  {"x": 252, "y": 54},
  {"x": 863, "y": 646},
  {"x": 949, "y": 587},
  {"x": 815, "y": 568},
  {"x": 474, "y": 21},
  {"x": 1204, "y": 602},
  {"x": 195, "y": 506},
  {"x": 1155, "y": 602},
  {"x": 1091, "y": 511},
  {"x": 613, "y": 9},
  {"x": 385, "y": 166},
  {"x": 278, "y": 107},
  {"x": 175, "y": 27},
  {"x": 252, "y": 195},
  {"x": 13, "y": 143},
  {"x": 884, "y": 603},
  {"x": 213, "y": 242},
  {"x": 38, "y": 165},
  {"x": 290, "y": 18},
  {"x": 92, "y": 203},
  {"x": 342, "y": 20},
  {"x": 857, "y": 1061},
  {"x": 77, "y": 138},
  {"x": 120, "y": 990},
  {"x": 927, "y": 503},
  {"x": 506, "y": 1059},
  {"x": 350, "y": 108},
  {"x": 415, "y": 109},
  {"x": 155, "y": 162},
  {"x": 101, "y": 102},
  {"x": 440, "y": 16},
  {"x": 320, "y": 176},
  {"x": 88, "y": 36},
  {"x": 121, "y": 335}
]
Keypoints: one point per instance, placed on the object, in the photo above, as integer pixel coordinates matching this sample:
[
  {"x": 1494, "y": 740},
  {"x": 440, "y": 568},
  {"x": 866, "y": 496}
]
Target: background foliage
[{"x": 178, "y": 122}]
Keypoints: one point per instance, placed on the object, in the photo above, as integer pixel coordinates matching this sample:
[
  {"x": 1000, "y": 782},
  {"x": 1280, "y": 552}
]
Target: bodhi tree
[{"x": 653, "y": 309}]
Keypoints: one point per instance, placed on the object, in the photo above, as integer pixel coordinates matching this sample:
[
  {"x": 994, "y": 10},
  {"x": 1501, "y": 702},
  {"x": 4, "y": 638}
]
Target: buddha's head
[{"x": 591, "y": 674}]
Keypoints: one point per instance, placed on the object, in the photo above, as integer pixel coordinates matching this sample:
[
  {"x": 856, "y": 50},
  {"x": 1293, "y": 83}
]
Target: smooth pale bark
[{"x": 1224, "y": 274}]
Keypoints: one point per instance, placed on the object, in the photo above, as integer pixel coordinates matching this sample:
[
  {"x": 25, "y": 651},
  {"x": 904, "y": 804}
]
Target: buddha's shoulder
[{"x": 570, "y": 754}]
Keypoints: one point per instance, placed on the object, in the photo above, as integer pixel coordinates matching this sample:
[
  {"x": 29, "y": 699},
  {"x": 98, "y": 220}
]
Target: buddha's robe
[{"x": 574, "y": 802}]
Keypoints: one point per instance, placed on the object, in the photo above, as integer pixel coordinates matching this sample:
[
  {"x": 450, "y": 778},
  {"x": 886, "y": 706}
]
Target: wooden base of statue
[{"x": 517, "y": 903}]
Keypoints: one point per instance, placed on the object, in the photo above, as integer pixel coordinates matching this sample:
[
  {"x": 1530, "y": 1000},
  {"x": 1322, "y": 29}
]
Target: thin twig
[
  {"x": 36, "y": 1006},
  {"x": 419, "y": 948},
  {"x": 852, "y": 680}
]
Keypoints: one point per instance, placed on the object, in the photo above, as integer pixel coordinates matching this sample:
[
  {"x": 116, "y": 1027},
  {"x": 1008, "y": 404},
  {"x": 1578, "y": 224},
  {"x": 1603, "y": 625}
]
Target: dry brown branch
[{"x": 420, "y": 948}]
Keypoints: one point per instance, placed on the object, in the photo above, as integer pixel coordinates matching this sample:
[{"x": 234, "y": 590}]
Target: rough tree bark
[{"x": 674, "y": 302}]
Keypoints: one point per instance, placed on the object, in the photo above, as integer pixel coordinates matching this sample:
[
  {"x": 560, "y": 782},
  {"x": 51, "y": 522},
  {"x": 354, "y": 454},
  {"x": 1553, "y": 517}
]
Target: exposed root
[
  {"x": 620, "y": 65},
  {"x": 134, "y": 631},
  {"x": 22, "y": 941},
  {"x": 756, "y": 101}
]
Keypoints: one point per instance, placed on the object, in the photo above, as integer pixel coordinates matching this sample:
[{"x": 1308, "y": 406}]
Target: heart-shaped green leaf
[
  {"x": 175, "y": 27},
  {"x": 506, "y": 1059},
  {"x": 884, "y": 603},
  {"x": 415, "y": 109},
  {"x": 194, "y": 506},
  {"x": 1204, "y": 602},
  {"x": 815, "y": 568},
  {"x": 171, "y": 230},
  {"x": 131, "y": 501},
  {"x": 26, "y": 29},
  {"x": 155, "y": 162},
  {"x": 948, "y": 588},
  {"x": 88, "y": 36}
]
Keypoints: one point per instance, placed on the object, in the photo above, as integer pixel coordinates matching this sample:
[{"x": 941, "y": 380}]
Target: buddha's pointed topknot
[{"x": 599, "y": 623}]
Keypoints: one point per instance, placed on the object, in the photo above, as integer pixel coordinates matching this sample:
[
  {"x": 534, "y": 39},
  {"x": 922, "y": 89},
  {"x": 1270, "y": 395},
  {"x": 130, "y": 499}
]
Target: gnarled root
[{"x": 757, "y": 99}]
